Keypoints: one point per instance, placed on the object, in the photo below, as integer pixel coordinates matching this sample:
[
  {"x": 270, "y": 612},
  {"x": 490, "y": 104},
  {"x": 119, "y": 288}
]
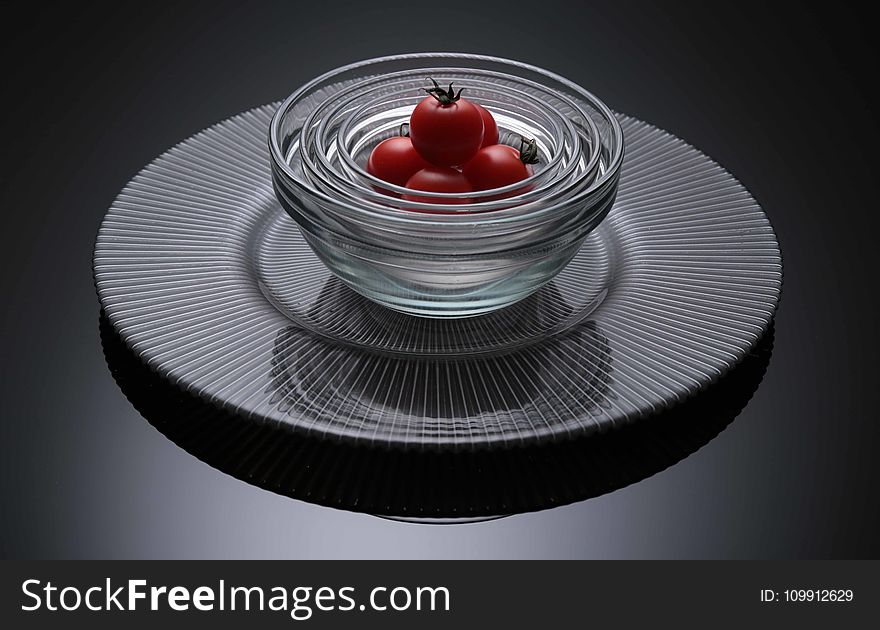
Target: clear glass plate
[{"x": 209, "y": 282}]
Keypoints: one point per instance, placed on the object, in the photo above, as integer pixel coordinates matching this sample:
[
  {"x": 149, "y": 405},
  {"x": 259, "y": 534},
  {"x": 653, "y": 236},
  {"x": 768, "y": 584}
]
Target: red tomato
[
  {"x": 446, "y": 129},
  {"x": 490, "y": 127},
  {"x": 499, "y": 165},
  {"x": 438, "y": 179},
  {"x": 395, "y": 160}
]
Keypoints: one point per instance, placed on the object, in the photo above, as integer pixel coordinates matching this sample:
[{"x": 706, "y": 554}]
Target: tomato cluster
[{"x": 452, "y": 147}]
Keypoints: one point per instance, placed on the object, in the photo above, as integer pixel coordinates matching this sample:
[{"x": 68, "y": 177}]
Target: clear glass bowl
[{"x": 443, "y": 260}]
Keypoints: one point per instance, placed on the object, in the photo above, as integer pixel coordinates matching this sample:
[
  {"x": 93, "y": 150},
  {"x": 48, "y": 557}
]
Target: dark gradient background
[{"x": 778, "y": 94}]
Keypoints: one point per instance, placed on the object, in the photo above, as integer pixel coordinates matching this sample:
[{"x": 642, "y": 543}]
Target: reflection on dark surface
[
  {"x": 432, "y": 484},
  {"x": 356, "y": 383},
  {"x": 338, "y": 313},
  {"x": 564, "y": 376}
]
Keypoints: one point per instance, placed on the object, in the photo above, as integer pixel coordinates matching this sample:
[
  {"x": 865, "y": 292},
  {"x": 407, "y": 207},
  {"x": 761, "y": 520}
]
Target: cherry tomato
[
  {"x": 490, "y": 127},
  {"x": 500, "y": 165},
  {"x": 395, "y": 160},
  {"x": 446, "y": 129},
  {"x": 440, "y": 179}
]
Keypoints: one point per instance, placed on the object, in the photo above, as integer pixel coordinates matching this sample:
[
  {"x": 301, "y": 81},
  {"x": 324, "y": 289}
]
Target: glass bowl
[{"x": 433, "y": 259}]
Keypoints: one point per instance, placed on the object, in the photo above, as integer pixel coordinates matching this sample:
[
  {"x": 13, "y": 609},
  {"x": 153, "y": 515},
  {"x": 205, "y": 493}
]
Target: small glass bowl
[{"x": 443, "y": 260}]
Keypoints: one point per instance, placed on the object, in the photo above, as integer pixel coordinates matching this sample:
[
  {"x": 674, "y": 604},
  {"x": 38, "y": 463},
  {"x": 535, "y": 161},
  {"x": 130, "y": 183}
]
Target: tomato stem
[
  {"x": 446, "y": 97},
  {"x": 528, "y": 151}
]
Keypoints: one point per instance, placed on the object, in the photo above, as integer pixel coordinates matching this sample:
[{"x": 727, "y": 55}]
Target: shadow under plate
[{"x": 430, "y": 485}]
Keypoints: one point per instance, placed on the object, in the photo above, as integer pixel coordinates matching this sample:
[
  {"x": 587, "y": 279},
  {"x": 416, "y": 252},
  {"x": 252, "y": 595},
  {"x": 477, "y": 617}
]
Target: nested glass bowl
[{"x": 432, "y": 259}]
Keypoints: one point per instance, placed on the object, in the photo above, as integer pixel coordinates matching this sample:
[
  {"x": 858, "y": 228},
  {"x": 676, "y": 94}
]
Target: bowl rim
[
  {"x": 460, "y": 215},
  {"x": 484, "y": 198},
  {"x": 477, "y": 195}
]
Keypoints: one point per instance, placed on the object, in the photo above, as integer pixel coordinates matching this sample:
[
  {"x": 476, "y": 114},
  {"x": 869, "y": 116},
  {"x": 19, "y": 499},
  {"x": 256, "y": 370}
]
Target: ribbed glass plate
[{"x": 210, "y": 283}]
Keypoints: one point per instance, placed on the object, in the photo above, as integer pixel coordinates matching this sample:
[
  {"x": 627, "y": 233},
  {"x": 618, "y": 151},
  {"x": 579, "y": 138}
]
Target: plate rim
[{"x": 484, "y": 441}]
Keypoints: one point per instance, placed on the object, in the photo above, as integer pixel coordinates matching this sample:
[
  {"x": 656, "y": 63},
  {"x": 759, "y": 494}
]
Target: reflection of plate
[
  {"x": 433, "y": 486},
  {"x": 202, "y": 273}
]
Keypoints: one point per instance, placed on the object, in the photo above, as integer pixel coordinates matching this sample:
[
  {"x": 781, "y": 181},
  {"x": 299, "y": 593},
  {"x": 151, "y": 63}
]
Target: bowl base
[{"x": 301, "y": 287}]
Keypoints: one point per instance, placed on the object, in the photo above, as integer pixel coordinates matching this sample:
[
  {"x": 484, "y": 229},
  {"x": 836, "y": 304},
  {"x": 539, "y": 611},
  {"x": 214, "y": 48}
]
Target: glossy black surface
[
  {"x": 468, "y": 484},
  {"x": 779, "y": 96}
]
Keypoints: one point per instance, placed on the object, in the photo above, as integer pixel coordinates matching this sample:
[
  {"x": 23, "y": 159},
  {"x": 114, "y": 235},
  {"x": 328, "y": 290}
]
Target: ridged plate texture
[{"x": 210, "y": 283}]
